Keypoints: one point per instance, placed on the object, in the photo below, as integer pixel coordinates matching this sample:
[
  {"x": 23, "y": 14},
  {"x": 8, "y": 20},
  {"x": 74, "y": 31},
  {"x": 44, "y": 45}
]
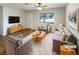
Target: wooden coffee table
[{"x": 38, "y": 35}]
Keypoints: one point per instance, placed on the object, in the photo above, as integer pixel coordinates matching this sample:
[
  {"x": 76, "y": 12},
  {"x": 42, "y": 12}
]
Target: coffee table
[{"x": 38, "y": 35}]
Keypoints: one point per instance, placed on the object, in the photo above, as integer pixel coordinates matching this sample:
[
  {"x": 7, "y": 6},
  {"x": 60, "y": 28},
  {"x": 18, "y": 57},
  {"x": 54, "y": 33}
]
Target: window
[{"x": 47, "y": 17}]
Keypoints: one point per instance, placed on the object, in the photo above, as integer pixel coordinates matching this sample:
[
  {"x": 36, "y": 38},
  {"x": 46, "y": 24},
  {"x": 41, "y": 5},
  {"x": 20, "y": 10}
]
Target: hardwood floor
[
  {"x": 2, "y": 45},
  {"x": 2, "y": 41}
]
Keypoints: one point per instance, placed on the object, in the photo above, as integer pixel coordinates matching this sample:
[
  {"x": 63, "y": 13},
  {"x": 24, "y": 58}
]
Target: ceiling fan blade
[
  {"x": 36, "y": 5},
  {"x": 40, "y": 5},
  {"x": 44, "y": 6}
]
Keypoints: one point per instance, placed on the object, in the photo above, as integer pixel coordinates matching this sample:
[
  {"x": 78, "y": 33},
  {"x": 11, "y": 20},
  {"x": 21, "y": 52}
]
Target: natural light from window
[{"x": 47, "y": 17}]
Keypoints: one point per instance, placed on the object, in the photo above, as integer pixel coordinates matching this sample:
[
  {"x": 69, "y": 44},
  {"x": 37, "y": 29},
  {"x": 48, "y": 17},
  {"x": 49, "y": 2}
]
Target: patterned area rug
[{"x": 44, "y": 47}]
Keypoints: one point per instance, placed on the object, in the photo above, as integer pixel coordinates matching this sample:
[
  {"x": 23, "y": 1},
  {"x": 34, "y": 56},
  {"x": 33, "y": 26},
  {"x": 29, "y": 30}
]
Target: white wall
[
  {"x": 12, "y": 12},
  {"x": 30, "y": 19},
  {"x": 59, "y": 17},
  {"x": 1, "y": 20},
  {"x": 70, "y": 8}
]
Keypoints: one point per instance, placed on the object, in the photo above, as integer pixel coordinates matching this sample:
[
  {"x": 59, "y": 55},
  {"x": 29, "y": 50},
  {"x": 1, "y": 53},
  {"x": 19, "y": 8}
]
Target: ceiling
[{"x": 30, "y": 6}]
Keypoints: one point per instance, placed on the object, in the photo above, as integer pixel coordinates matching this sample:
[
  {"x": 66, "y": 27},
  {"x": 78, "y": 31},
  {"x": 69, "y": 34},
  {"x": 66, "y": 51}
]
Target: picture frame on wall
[{"x": 73, "y": 18}]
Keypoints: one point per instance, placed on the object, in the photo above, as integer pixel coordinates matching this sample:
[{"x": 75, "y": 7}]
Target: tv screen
[{"x": 14, "y": 19}]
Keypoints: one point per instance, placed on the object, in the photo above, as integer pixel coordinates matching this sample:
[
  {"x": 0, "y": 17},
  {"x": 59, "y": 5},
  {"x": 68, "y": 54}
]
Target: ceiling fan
[{"x": 40, "y": 6}]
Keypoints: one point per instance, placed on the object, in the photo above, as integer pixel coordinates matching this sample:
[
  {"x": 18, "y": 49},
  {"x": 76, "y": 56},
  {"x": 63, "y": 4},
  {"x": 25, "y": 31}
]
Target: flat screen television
[{"x": 14, "y": 19}]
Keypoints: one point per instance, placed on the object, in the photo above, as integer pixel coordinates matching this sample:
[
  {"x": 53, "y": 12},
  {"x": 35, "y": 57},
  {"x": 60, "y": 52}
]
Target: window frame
[{"x": 44, "y": 21}]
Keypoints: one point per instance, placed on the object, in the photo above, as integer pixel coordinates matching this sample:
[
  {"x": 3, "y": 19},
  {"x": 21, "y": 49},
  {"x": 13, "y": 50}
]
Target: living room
[{"x": 30, "y": 19}]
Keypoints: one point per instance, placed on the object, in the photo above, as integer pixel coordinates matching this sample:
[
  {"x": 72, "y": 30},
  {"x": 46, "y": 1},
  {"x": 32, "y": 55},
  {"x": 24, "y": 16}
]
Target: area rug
[{"x": 44, "y": 47}]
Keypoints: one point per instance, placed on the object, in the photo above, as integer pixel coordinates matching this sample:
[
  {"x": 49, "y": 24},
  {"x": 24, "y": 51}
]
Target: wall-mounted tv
[{"x": 14, "y": 19}]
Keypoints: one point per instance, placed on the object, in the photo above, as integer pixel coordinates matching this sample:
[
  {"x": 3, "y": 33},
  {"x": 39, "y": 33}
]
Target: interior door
[{"x": 29, "y": 20}]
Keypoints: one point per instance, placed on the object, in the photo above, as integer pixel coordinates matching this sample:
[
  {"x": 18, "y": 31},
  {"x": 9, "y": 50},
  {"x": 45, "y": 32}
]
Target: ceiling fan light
[{"x": 39, "y": 8}]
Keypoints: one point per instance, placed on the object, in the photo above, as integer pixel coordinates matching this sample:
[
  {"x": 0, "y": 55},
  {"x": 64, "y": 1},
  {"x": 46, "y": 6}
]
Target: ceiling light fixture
[{"x": 39, "y": 8}]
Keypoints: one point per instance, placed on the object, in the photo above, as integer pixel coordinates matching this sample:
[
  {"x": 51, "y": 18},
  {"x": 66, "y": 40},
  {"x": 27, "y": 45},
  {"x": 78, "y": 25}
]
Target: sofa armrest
[{"x": 25, "y": 48}]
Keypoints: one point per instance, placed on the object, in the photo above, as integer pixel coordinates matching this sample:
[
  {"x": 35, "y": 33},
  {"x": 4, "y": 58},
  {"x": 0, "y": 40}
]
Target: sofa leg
[{"x": 30, "y": 52}]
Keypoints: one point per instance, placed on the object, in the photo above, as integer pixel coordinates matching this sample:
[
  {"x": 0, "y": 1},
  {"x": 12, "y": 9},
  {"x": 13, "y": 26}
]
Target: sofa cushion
[
  {"x": 63, "y": 36},
  {"x": 66, "y": 30},
  {"x": 14, "y": 39},
  {"x": 71, "y": 39}
]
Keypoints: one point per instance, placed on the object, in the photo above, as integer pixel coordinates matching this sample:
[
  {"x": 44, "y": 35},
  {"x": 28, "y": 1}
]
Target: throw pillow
[
  {"x": 64, "y": 37},
  {"x": 61, "y": 31},
  {"x": 66, "y": 30},
  {"x": 18, "y": 43}
]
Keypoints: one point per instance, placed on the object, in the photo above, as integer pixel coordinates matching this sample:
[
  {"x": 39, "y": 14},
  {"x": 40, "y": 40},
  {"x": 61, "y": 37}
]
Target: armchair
[{"x": 46, "y": 28}]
